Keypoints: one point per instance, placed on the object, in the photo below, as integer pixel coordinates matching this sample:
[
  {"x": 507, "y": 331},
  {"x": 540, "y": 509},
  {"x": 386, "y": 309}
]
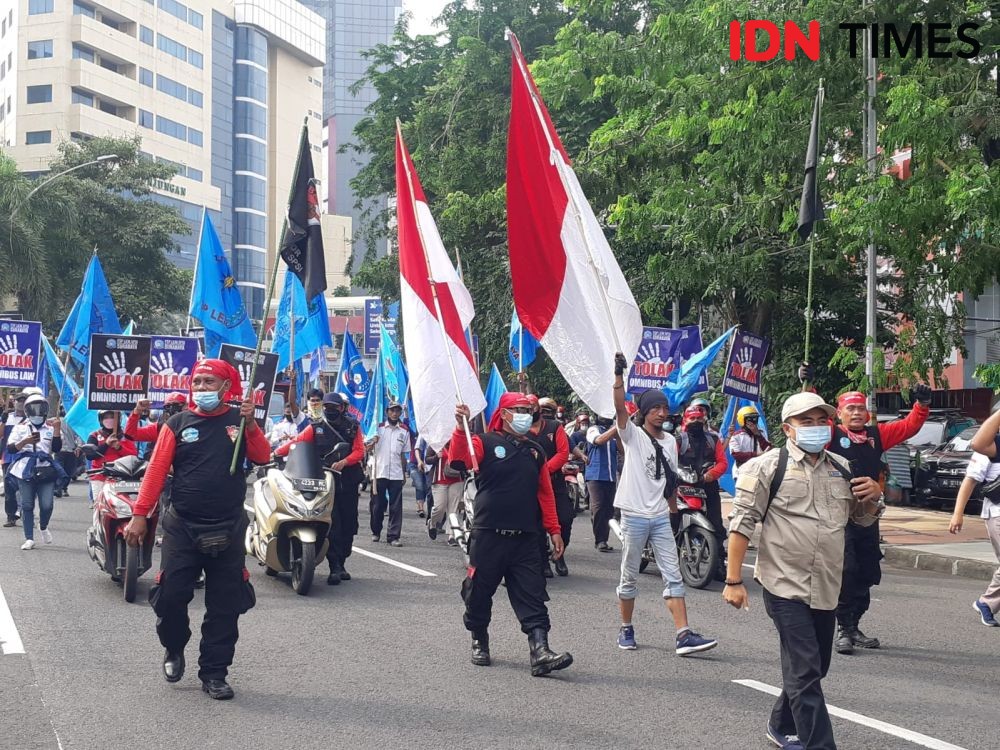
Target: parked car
[{"x": 942, "y": 470}]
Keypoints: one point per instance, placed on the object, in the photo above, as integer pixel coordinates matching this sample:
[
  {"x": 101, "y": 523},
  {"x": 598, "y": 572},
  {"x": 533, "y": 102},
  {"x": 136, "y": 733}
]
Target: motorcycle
[
  {"x": 573, "y": 472},
  {"x": 461, "y": 521},
  {"x": 112, "y": 511},
  {"x": 290, "y": 515}
]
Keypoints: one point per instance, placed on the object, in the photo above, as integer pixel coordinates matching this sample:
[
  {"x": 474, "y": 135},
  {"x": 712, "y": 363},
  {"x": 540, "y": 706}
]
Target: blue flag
[
  {"x": 215, "y": 300},
  {"x": 523, "y": 345},
  {"x": 68, "y": 390},
  {"x": 729, "y": 426},
  {"x": 81, "y": 420},
  {"x": 684, "y": 380},
  {"x": 375, "y": 403},
  {"x": 393, "y": 369},
  {"x": 129, "y": 329},
  {"x": 494, "y": 390},
  {"x": 312, "y": 326},
  {"x": 93, "y": 312},
  {"x": 352, "y": 380}
]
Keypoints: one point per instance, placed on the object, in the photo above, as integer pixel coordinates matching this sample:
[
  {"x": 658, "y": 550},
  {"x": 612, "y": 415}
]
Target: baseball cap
[{"x": 800, "y": 403}]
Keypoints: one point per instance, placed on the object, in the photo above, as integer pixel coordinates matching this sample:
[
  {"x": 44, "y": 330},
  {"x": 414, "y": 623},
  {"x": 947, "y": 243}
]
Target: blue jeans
[
  {"x": 421, "y": 484},
  {"x": 27, "y": 492},
  {"x": 638, "y": 530}
]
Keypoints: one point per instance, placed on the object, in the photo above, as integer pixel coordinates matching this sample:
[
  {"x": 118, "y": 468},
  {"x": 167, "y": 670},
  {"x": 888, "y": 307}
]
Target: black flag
[
  {"x": 811, "y": 208},
  {"x": 302, "y": 245}
]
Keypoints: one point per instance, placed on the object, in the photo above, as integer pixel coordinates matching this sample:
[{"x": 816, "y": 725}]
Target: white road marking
[
  {"x": 10, "y": 639},
  {"x": 396, "y": 563},
  {"x": 905, "y": 734}
]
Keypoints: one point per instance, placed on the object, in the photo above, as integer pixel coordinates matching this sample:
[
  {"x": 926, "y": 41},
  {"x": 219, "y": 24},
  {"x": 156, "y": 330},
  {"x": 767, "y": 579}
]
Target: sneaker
[
  {"x": 432, "y": 532},
  {"x": 690, "y": 642},
  {"x": 985, "y": 614},
  {"x": 604, "y": 547},
  {"x": 375, "y": 537},
  {"x": 395, "y": 543},
  {"x": 10, "y": 523},
  {"x": 785, "y": 741},
  {"x": 46, "y": 536},
  {"x": 452, "y": 542},
  {"x": 626, "y": 638},
  {"x": 28, "y": 544}
]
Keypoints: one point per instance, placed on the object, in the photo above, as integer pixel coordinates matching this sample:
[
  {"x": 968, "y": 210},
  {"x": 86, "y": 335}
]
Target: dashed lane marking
[{"x": 395, "y": 563}]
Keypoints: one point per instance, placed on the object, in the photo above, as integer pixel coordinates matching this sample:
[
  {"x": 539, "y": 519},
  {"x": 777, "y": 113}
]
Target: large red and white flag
[
  {"x": 568, "y": 289},
  {"x": 436, "y": 310}
]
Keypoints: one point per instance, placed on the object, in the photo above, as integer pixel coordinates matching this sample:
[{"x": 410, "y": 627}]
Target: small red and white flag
[
  {"x": 568, "y": 289},
  {"x": 436, "y": 310}
]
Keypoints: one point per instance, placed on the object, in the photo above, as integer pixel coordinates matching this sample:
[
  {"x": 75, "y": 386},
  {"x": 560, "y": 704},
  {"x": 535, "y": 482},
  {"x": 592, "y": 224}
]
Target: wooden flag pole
[
  {"x": 194, "y": 278},
  {"x": 437, "y": 303}
]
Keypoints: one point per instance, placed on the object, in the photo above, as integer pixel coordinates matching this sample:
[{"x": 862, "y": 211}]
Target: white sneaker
[
  {"x": 46, "y": 536},
  {"x": 28, "y": 544}
]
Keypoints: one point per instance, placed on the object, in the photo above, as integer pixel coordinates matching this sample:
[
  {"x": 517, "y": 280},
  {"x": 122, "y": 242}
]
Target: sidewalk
[{"x": 918, "y": 538}]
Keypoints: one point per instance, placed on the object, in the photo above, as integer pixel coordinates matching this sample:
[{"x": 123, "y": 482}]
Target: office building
[{"x": 218, "y": 88}]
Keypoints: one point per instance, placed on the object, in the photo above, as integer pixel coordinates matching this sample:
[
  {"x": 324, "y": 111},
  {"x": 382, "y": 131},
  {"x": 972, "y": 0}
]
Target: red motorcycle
[{"x": 112, "y": 512}]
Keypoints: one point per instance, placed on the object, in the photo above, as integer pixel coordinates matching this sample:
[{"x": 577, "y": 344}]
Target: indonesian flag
[
  {"x": 442, "y": 370},
  {"x": 568, "y": 289}
]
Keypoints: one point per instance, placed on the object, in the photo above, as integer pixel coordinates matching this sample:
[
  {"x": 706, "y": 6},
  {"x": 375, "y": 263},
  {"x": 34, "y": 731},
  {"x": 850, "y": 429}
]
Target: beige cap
[{"x": 800, "y": 403}]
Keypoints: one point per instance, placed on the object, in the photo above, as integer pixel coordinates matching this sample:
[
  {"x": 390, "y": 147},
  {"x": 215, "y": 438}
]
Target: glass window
[
  {"x": 3, "y": 70},
  {"x": 146, "y": 35},
  {"x": 83, "y": 53},
  {"x": 169, "y": 127},
  {"x": 109, "y": 64},
  {"x": 82, "y": 9},
  {"x": 34, "y": 137},
  {"x": 248, "y": 265},
  {"x": 195, "y": 19},
  {"x": 168, "y": 45},
  {"x": 251, "y": 82},
  {"x": 195, "y": 137},
  {"x": 195, "y": 58},
  {"x": 195, "y": 174},
  {"x": 250, "y": 229},
  {"x": 251, "y": 45},
  {"x": 253, "y": 300},
  {"x": 39, "y": 6},
  {"x": 145, "y": 77},
  {"x": 249, "y": 192},
  {"x": 39, "y": 94},
  {"x": 40, "y": 49},
  {"x": 195, "y": 98},
  {"x": 174, "y": 8},
  {"x": 83, "y": 97},
  {"x": 145, "y": 118},
  {"x": 249, "y": 118},
  {"x": 172, "y": 87},
  {"x": 249, "y": 156}
]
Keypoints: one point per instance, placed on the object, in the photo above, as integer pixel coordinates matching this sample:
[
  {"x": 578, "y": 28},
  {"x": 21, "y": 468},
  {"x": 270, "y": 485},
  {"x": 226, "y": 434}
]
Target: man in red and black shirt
[
  {"x": 863, "y": 445},
  {"x": 549, "y": 433},
  {"x": 205, "y": 525},
  {"x": 513, "y": 498}
]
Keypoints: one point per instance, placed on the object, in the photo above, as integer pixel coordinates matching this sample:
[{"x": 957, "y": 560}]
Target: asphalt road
[{"x": 382, "y": 661}]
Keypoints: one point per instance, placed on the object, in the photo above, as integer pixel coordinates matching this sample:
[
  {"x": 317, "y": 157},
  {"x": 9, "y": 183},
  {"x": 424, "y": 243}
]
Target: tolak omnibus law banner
[
  {"x": 746, "y": 362},
  {"x": 117, "y": 371},
  {"x": 662, "y": 351},
  {"x": 20, "y": 344},
  {"x": 171, "y": 362},
  {"x": 241, "y": 358}
]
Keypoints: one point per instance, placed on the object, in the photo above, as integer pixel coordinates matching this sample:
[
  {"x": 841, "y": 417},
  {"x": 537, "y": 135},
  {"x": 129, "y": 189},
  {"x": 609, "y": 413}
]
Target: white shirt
[
  {"x": 741, "y": 442},
  {"x": 639, "y": 492},
  {"x": 282, "y": 432},
  {"x": 392, "y": 443},
  {"x": 44, "y": 445},
  {"x": 982, "y": 469}
]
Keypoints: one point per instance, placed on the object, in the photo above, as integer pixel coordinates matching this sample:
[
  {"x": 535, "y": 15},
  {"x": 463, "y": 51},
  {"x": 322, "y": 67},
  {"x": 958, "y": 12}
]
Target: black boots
[
  {"x": 560, "y": 566},
  {"x": 547, "y": 569},
  {"x": 173, "y": 666},
  {"x": 481, "y": 649},
  {"x": 861, "y": 640},
  {"x": 850, "y": 637},
  {"x": 544, "y": 659},
  {"x": 218, "y": 690},
  {"x": 843, "y": 642}
]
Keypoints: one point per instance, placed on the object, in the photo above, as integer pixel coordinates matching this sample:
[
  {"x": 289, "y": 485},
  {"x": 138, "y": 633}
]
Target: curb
[{"x": 898, "y": 557}]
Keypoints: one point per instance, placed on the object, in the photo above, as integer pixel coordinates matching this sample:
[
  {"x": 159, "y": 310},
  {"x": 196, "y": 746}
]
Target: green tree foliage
[
  {"x": 695, "y": 163},
  {"x": 105, "y": 206}
]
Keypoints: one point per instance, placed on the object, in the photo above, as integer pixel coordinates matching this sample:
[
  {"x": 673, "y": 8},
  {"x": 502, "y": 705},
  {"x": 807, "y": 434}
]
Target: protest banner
[
  {"x": 117, "y": 371},
  {"x": 20, "y": 344},
  {"x": 171, "y": 362},
  {"x": 662, "y": 351},
  {"x": 746, "y": 361},
  {"x": 241, "y": 358}
]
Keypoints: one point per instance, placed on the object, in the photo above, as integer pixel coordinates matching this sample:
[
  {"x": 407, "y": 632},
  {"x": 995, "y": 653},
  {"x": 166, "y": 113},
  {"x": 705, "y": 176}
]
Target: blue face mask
[
  {"x": 207, "y": 400},
  {"x": 520, "y": 423},
  {"x": 813, "y": 439}
]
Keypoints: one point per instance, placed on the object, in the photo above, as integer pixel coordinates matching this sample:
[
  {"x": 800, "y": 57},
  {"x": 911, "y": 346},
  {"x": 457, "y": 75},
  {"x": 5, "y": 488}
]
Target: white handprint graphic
[
  {"x": 114, "y": 364},
  {"x": 163, "y": 364},
  {"x": 165, "y": 375},
  {"x": 258, "y": 392},
  {"x": 744, "y": 367},
  {"x": 115, "y": 376},
  {"x": 11, "y": 355},
  {"x": 649, "y": 352}
]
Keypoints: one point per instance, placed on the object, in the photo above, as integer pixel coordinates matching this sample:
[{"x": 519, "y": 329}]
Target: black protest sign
[
  {"x": 241, "y": 358},
  {"x": 117, "y": 371}
]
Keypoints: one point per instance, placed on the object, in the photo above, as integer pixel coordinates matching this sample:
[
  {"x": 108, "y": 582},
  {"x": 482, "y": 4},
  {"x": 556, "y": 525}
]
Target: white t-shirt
[
  {"x": 982, "y": 469},
  {"x": 639, "y": 492},
  {"x": 392, "y": 443},
  {"x": 44, "y": 445}
]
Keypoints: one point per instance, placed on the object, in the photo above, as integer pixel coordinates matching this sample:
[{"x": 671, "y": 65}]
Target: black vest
[
  {"x": 507, "y": 484},
  {"x": 326, "y": 435},
  {"x": 546, "y": 438},
  {"x": 865, "y": 458},
  {"x": 203, "y": 490},
  {"x": 699, "y": 452}
]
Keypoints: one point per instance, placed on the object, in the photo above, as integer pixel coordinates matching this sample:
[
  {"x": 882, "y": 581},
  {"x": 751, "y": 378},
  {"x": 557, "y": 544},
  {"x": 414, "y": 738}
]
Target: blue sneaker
[
  {"x": 785, "y": 741},
  {"x": 690, "y": 642},
  {"x": 626, "y": 638},
  {"x": 985, "y": 614}
]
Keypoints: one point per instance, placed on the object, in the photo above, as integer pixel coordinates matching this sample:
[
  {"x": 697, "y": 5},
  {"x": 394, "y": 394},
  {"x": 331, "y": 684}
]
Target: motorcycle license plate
[
  {"x": 127, "y": 487},
  {"x": 692, "y": 492},
  {"x": 311, "y": 484}
]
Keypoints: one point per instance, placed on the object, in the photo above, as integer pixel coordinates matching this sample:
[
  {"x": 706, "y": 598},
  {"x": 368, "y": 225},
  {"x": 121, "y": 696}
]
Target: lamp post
[{"x": 99, "y": 160}]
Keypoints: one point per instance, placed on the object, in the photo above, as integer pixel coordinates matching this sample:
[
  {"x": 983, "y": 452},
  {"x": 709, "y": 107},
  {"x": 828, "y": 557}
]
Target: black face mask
[
  {"x": 548, "y": 415},
  {"x": 696, "y": 428},
  {"x": 333, "y": 414},
  {"x": 535, "y": 417}
]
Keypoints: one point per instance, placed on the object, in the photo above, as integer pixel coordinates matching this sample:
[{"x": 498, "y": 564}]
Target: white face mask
[
  {"x": 521, "y": 423},
  {"x": 813, "y": 439},
  {"x": 37, "y": 421}
]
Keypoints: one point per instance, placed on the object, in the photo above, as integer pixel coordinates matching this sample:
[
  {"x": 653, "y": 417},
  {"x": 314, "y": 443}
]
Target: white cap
[{"x": 800, "y": 403}]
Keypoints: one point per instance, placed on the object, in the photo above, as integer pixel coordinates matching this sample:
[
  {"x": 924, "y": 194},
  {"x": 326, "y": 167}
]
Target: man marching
[
  {"x": 514, "y": 497},
  {"x": 863, "y": 446},
  {"x": 204, "y": 527}
]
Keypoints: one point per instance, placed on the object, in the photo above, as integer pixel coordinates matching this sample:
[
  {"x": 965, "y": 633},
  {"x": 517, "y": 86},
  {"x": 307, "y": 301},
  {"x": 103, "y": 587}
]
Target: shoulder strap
[
  {"x": 844, "y": 472},
  {"x": 776, "y": 480}
]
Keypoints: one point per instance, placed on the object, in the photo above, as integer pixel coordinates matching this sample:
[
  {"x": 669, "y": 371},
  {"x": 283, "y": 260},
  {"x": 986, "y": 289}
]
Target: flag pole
[
  {"x": 437, "y": 303},
  {"x": 194, "y": 278},
  {"x": 557, "y": 161},
  {"x": 812, "y": 258},
  {"x": 267, "y": 309}
]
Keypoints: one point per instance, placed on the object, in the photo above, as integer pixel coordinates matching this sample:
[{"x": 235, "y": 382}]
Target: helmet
[
  {"x": 334, "y": 404},
  {"x": 36, "y": 409},
  {"x": 704, "y": 405},
  {"x": 548, "y": 404},
  {"x": 336, "y": 398},
  {"x": 31, "y": 390},
  {"x": 533, "y": 399},
  {"x": 746, "y": 411}
]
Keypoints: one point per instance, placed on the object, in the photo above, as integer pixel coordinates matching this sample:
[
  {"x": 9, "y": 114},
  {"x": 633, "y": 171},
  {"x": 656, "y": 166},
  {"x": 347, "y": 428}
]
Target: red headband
[
  {"x": 508, "y": 400},
  {"x": 852, "y": 397},
  {"x": 222, "y": 370}
]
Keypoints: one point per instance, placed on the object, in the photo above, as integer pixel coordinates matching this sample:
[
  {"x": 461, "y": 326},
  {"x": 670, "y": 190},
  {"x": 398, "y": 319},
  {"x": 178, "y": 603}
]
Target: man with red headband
[
  {"x": 548, "y": 433},
  {"x": 204, "y": 527},
  {"x": 863, "y": 445},
  {"x": 513, "y": 499},
  {"x": 704, "y": 453}
]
